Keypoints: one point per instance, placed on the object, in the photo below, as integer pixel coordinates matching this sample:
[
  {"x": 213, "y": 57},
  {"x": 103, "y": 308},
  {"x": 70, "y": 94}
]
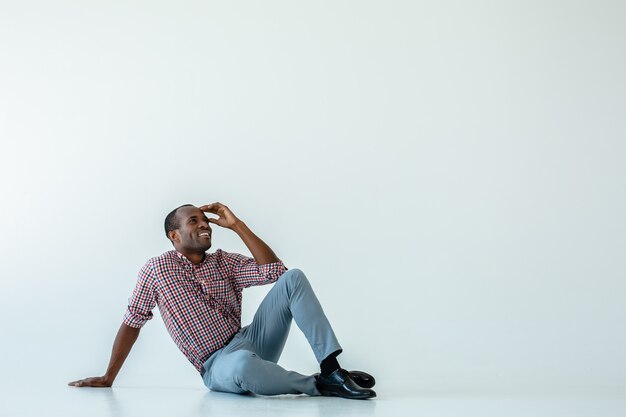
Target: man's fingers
[
  {"x": 87, "y": 382},
  {"x": 208, "y": 207},
  {"x": 212, "y": 206},
  {"x": 95, "y": 381}
]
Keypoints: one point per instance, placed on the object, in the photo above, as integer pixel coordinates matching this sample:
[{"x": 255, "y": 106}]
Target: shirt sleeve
[
  {"x": 142, "y": 301},
  {"x": 245, "y": 272}
]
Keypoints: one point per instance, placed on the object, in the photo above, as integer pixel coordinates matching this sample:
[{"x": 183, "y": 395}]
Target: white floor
[{"x": 48, "y": 398}]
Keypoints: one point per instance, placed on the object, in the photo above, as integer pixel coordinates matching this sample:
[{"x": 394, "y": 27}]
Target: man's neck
[{"x": 195, "y": 257}]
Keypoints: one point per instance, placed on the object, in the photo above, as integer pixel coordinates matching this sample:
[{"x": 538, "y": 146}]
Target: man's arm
[
  {"x": 262, "y": 253},
  {"x": 126, "y": 337}
]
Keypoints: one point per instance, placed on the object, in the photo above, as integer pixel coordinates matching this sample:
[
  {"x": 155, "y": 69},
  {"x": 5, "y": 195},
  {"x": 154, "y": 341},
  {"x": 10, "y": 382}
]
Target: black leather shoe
[
  {"x": 362, "y": 379},
  {"x": 339, "y": 384}
]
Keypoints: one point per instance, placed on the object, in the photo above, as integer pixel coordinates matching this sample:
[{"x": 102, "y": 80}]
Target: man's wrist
[
  {"x": 238, "y": 227},
  {"x": 108, "y": 378}
]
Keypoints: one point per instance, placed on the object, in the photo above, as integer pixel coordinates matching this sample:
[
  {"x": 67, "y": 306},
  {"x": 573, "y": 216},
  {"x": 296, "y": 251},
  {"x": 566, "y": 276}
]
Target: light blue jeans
[{"x": 249, "y": 362}]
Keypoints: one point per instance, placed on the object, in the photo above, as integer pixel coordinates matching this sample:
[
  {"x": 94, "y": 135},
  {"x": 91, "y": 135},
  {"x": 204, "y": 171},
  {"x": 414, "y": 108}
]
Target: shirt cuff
[
  {"x": 272, "y": 271},
  {"x": 136, "y": 320}
]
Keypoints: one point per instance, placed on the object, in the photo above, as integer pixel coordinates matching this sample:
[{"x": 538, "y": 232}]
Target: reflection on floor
[{"x": 45, "y": 399}]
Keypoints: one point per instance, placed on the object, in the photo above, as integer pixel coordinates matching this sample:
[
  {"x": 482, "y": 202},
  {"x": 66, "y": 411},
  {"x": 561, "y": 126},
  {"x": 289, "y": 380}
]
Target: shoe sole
[{"x": 335, "y": 394}]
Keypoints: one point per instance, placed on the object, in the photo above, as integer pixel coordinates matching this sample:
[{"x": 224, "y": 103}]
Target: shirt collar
[{"x": 184, "y": 259}]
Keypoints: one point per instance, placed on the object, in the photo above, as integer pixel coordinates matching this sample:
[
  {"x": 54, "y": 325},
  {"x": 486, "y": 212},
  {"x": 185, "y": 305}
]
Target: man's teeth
[{"x": 204, "y": 234}]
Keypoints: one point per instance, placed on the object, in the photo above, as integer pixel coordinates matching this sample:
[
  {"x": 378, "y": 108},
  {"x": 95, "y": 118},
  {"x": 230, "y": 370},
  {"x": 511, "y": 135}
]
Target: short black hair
[{"x": 171, "y": 221}]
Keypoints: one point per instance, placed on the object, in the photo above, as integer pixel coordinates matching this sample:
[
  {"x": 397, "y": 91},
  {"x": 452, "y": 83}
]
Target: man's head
[{"x": 188, "y": 229}]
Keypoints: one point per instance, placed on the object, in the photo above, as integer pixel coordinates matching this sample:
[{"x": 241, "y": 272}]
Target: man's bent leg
[
  {"x": 248, "y": 362},
  {"x": 291, "y": 297},
  {"x": 244, "y": 371}
]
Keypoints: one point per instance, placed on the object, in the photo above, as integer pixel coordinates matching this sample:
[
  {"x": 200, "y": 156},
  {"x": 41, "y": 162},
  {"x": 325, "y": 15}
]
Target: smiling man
[{"x": 199, "y": 296}]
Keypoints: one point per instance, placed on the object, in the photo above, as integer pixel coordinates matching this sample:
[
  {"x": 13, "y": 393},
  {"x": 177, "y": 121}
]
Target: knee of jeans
[{"x": 293, "y": 277}]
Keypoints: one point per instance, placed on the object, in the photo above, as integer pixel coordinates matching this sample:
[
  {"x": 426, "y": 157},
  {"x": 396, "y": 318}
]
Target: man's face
[{"x": 194, "y": 233}]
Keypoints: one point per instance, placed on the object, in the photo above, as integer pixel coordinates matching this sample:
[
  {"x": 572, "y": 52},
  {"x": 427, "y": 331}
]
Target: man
[{"x": 199, "y": 296}]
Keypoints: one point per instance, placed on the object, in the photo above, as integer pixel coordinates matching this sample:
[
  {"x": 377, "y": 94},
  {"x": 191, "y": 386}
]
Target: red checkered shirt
[{"x": 200, "y": 304}]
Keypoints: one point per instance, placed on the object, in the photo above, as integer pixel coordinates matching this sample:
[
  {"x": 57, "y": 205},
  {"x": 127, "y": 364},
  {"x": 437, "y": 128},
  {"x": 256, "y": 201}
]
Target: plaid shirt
[{"x": 200, "y": 304}]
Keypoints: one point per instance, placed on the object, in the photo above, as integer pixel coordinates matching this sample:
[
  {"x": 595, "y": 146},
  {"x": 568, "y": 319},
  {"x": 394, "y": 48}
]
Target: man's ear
[{"x": 174, "y": 236}]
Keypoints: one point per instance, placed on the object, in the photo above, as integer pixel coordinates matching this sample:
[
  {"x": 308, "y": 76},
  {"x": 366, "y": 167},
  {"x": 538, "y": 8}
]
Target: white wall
[{"x": 450, "y": 175}]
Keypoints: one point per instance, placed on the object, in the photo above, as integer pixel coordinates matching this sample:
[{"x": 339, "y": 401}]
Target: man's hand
[
  {"x": 226, "y": 217},
  {"x": 261, "y": 252},
  {"x": 124, "y": 340},
  {"x": 96, "y": 381}
]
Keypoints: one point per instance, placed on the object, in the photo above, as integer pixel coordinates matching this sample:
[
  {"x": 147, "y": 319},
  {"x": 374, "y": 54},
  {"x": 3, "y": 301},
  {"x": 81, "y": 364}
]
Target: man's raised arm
[
  {"x": 126, "y": 337},
  {"x": 262, "y": 253}
]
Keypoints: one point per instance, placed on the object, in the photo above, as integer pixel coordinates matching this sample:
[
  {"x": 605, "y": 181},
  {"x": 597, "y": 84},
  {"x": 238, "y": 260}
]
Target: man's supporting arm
[{"x": 126, "y": 337}]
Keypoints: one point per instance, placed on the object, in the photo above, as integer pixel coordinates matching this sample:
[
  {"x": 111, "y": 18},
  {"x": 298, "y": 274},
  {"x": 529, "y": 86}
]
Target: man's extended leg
[{"x": 240, "y": 370}]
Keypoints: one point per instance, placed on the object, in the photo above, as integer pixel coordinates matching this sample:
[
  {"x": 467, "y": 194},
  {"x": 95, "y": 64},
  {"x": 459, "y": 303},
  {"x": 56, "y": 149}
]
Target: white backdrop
[{"x": 450, "y": 175}]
